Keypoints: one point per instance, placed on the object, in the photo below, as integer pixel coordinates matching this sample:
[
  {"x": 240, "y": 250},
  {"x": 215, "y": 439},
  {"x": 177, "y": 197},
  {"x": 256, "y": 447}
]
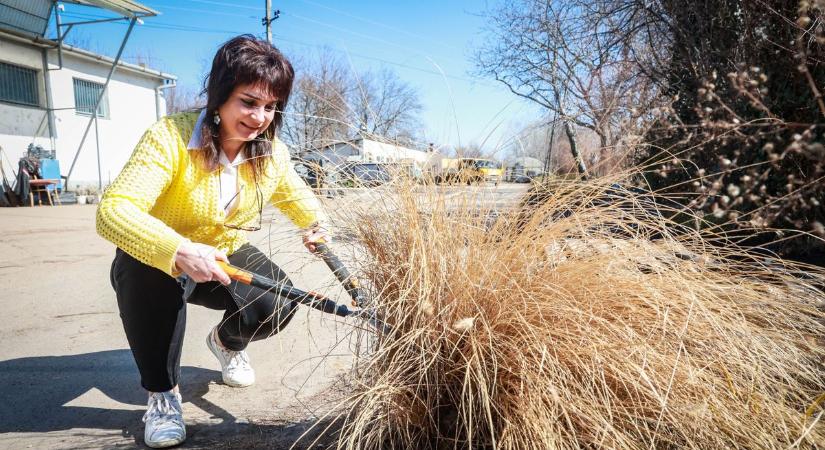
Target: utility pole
[
  {"x": 268, "y": 21},
  {"x": 270, "y": 17},
  {"x": 549, "y": 154}
]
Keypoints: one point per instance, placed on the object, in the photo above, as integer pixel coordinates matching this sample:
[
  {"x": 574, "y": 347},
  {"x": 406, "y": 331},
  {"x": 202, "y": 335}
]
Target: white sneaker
[
  {"x": 164, "y": 420},
  {"x": 236, "y": 370}
]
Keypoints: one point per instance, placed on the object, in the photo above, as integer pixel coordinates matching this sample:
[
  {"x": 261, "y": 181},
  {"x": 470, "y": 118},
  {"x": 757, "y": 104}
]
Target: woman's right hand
[{"x": 198, "y": 262}]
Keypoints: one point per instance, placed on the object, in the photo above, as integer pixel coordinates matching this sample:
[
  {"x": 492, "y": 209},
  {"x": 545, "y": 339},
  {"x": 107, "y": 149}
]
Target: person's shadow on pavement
[{"x": 35, "y": 391}]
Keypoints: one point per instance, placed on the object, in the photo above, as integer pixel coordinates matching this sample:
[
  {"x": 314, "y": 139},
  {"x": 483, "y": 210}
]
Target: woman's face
[{"x": 246, "y": 114}]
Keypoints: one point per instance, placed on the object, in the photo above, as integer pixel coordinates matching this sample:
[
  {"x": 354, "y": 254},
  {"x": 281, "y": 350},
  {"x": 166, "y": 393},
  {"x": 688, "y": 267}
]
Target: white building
[
  {"x": 366, "y": 150},
  {"x": 524, "y": 167},
  {"x": 50, "y": 104}
]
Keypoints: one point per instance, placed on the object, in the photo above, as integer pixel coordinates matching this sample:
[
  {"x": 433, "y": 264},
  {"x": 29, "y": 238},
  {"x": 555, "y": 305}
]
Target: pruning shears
[{"x": 311, "y": 298}]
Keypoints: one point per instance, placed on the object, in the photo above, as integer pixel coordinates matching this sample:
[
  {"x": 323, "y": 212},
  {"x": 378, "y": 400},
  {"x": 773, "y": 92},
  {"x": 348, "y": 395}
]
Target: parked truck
[{"x": 465, "y": 170}]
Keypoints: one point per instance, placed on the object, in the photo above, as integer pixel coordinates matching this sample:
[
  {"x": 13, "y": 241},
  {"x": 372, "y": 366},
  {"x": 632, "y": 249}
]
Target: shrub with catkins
[{"x": 750, "y": 117}]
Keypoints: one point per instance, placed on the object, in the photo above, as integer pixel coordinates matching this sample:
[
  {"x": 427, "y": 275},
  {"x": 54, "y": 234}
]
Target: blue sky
[{"x": 427, "y": 43}]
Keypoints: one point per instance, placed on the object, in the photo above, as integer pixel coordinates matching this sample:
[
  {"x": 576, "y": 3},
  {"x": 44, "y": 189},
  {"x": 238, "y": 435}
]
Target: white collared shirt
[{"x": 229, "y": 184}]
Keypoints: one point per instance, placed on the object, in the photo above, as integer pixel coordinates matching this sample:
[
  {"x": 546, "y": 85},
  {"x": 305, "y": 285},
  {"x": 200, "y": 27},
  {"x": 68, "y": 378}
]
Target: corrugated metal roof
[
  {"x": 126, "y": 8},
  {"x": 25, "y": 16},
  {"x": 31, "y": 17}
]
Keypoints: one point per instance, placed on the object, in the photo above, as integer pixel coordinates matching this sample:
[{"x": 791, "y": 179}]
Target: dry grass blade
[{"x": 583, "y": 321}]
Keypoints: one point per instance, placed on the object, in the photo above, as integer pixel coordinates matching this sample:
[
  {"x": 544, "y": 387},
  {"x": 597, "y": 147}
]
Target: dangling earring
[{"x": 216, "y": 118}]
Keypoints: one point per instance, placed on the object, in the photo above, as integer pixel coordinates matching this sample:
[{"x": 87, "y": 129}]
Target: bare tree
[
  {"x": 531, "y": 140},
  {"x": 144, "y": 57},
  {"x": 535, "y": 139},
  {"x": 330, "y": 103},
  {"x": 80, "y": 39},
  {"x": 386, "y": 106},
  {"x": 182, "y": 98},
  {"x": 558, "y": 54},
  {"x": 318, "y": 114},
  {"x": 471, "y": 150}
]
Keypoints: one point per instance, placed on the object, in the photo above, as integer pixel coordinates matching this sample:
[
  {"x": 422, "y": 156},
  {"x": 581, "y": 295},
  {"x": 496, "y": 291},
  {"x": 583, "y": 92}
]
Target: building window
[
  {"x": 85, "y": 96},
  {"x": 18, "y": 84}
]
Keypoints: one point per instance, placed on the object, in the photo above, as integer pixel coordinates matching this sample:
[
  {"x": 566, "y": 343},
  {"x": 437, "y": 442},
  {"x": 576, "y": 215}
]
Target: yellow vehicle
[
  {"x": 478, "y": 170},
  {"x": 463, "y": 170}
]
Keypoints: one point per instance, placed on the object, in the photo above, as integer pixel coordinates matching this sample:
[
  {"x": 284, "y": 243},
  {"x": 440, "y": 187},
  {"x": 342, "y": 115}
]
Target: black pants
[{"x": 153, "y": 312}]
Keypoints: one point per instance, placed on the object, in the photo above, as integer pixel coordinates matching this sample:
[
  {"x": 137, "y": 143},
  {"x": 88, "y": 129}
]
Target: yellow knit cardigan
[{"x": 163, "y": 198}]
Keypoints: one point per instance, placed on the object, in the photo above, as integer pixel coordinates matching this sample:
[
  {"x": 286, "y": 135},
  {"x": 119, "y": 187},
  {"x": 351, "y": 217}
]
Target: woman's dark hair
[{"x": 245, "y": 60}]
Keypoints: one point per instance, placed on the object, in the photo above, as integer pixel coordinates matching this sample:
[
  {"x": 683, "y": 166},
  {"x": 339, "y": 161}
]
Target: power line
[
  {"x": 329, "y": 8},
  {"x": 380, "y": 24},
  {"x": 206, "y": 11},
  {"x": 154, "y": 24},
  {"x": 440, "y": 73},
  {"x": 324, "y": 24},
  {"x": 354, "y": 33},
  {"x": 231, "y": 5},
  {"x": 174, "y": 27},
  {"x": 393, "y": 63},
  {"x": 157, "y": 25}
]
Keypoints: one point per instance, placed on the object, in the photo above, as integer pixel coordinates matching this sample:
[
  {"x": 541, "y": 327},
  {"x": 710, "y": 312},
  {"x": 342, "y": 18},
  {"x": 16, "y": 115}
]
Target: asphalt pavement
[{"x": 67, "y": 376}]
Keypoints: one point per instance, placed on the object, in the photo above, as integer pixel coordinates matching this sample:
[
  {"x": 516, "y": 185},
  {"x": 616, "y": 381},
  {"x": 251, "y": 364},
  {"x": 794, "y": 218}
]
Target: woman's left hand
[{"x": 317, "y": 233}]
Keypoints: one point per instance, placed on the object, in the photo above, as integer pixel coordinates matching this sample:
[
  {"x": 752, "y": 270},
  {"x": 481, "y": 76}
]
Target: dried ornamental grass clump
[{"x": 583, "y": 321}]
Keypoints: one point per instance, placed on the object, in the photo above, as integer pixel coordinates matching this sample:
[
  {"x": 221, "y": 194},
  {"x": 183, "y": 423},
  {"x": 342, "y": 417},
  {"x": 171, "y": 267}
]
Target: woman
[{"x": 195, "y": 184}]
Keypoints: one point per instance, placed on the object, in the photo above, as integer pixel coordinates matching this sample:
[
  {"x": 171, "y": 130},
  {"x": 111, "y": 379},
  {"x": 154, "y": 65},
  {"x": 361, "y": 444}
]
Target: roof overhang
[
  {"x": 31, "y": 17},
  {"x": 125, "y": 8}
]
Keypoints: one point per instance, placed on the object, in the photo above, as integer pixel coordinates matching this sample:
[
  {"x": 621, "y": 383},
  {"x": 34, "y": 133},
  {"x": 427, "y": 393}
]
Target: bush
[{"x": 744, "y": 137}]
